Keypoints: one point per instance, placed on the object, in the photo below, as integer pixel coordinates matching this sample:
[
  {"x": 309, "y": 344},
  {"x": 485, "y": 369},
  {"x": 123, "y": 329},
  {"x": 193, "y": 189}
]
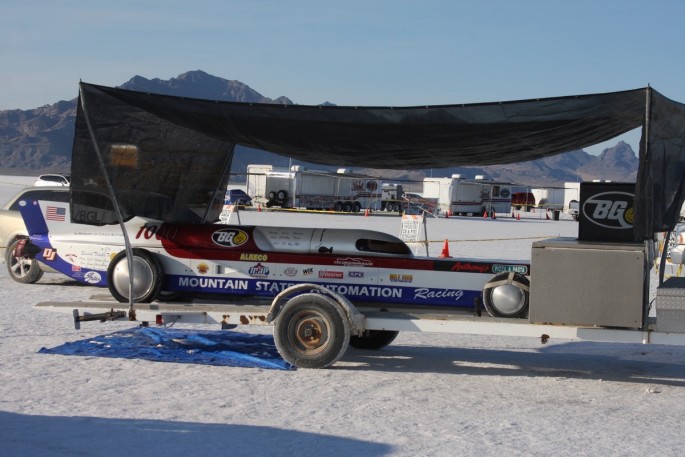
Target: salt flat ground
[{"x": 426, "y": 394}]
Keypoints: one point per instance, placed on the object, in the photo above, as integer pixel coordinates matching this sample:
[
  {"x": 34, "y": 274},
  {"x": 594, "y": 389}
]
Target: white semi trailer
[
  {"x": 469, "y": 196},
  {"x": 298, "y": 187}
]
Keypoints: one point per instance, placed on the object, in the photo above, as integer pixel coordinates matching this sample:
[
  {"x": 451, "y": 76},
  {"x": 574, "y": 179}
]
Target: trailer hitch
[{"x": 110, "y": 315}]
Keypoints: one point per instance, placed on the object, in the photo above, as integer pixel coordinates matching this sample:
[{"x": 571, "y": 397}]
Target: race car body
[{"x": 367, "y": 267}]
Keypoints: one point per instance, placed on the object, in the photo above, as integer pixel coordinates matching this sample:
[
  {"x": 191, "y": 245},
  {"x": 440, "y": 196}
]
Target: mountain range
[{"x": 40, "y": 140}]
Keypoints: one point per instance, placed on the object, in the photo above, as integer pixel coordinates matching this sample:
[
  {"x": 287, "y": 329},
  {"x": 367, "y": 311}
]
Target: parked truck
[
  {"x": 298, "y": 187},
  {"x": 391, "y": 198},
  {"x": 461, "y": 196}
]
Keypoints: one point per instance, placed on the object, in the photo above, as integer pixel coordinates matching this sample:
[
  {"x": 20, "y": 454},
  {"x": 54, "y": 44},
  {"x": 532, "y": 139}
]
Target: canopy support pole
[{"x": 110, "y": 190}]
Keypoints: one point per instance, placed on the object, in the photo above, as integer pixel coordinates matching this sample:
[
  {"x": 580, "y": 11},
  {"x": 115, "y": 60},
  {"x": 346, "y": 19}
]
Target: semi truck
[
  {"x": 460, "y": 196},
  {"x": 298, "y": 187}
]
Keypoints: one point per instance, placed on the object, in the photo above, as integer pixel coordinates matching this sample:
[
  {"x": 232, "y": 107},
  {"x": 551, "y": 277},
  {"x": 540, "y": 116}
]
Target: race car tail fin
[{"x": 33, "y": 217}]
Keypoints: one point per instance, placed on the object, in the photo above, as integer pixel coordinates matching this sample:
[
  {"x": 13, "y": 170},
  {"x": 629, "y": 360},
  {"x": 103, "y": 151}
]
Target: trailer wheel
[
  {"x": 357, "y": 207},
  {"x": 506, "y": 295},
  {"x": 282, "y": 195},
  {"x": 22, "y": 269},
  {"x": 311, "y": 331},
  {"x": 147, "y": 277},
  {"x": 373, "y": 339},
  {"x": 338, "y": 207}
]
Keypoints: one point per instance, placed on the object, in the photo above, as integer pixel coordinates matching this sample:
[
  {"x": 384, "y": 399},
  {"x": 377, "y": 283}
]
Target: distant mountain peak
[{"x": 199, "y": 84}]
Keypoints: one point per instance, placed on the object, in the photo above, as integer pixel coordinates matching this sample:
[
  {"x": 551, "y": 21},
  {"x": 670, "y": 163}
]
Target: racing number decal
[{"x": 148, "y": 231}]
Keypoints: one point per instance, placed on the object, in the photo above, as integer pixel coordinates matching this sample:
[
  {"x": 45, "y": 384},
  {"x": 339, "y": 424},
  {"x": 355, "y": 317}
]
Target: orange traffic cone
[
  {"x": 485, "y": 214},
  {"x": 493, "y": 215},
  {"x": 518, "y": 216},
  {"x": 259, "y": 208},
  {"x": 445, "y": 250},
  {"x": 366, "y": 212}
]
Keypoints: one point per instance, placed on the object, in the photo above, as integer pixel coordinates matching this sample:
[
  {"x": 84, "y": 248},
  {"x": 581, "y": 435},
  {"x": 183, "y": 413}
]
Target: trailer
[
  {"x": 313, "y": 326},
  {"x": 298, "y": 187},
  {"x": 460, "y": 196},
  {"x": 391, "y": 197},
  {"x": 557, "y": 198}
]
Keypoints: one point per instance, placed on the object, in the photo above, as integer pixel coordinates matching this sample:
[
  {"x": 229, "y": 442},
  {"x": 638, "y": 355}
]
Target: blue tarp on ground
[{"x": 217, "y": 347}]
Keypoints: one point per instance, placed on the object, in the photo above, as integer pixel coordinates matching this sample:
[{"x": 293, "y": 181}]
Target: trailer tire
[
  {"x": 507, "y": 295},
  {"x": 373, "y": 339},
  {"x": 282, "y": 195},
  {"x": 356, "y": 207},
  {"x": 338, "y": 207},
  {"x": 147, "y": 280},
  {"x": 347, "y": 207},
  {"x": 311, "y": 331},
  {"x": 22, "y": 269}
]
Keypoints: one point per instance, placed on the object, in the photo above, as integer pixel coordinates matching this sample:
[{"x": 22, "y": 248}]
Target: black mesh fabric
[{"x": 182, "y": 147}]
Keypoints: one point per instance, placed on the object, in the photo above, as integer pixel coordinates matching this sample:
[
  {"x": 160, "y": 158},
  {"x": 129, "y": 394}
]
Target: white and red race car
[{"x": 367, "y": 267}]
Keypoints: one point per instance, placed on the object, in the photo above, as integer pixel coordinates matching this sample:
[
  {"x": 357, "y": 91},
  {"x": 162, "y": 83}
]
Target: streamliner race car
[{"x": 369, "y": 268}]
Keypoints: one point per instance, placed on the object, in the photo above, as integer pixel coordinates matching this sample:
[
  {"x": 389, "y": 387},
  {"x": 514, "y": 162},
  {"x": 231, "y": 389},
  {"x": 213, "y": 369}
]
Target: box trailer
[
  {"x": 457, "y": 195},
  {"x": 298, "y": 187},
  {"x": 391, "y": 196}
]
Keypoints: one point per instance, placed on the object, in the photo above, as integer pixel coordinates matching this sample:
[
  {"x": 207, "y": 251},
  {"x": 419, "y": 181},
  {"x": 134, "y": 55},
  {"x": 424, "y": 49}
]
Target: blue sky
[{"x": 349, "y": 52}]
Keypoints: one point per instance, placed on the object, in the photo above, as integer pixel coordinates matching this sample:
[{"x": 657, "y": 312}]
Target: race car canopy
[{"x": 180, "y": 149}]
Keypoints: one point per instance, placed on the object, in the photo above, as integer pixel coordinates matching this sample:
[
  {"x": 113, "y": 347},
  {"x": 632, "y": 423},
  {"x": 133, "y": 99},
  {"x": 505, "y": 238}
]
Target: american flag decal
[{"x": 55, "y": 214}]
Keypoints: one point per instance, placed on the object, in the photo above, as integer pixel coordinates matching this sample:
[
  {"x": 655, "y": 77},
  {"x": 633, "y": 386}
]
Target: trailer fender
[{"x": 355, "y": 319}]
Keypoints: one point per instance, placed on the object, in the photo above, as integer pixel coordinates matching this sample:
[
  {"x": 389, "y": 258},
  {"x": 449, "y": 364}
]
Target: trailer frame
[{"x": 359, "y": 320}]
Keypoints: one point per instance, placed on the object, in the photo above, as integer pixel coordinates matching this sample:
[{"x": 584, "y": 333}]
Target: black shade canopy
[{"x": 178, "y": 150}]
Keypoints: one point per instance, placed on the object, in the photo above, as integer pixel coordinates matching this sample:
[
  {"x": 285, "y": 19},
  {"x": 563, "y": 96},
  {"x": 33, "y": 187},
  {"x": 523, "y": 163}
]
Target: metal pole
[{"x": 115, "y": 203}]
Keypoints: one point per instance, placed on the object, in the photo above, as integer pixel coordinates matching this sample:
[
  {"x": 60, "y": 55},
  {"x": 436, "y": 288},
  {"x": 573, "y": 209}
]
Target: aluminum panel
[
  {"x": 670, "y": 306},
  {"x": 573, "y": 284}
]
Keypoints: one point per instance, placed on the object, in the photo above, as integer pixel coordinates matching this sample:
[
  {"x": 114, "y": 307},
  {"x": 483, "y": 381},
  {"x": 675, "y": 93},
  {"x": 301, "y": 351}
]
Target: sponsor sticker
[
  {"x": 307, "y": 271},
  {"x": 401, "y": 278},
  {"x": 259, "y": 271},
  {"x": 49, "y": 254},
  {"x": 325, "y": 274},
  {"x": 612, "y": 210},
  {"x": 229, "y": 237},
  {"x": 355, "y": 274},
  {"x": 508, "y": 268},
  {"x": 254, "y": 257},
  {"x": 353, "y": 262},
  {"x": 469, "y": 266},
  {"x": 92, "y": 277},
  {"x": 290, "y": 271},
  {"x": 202, "y": 268}
]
